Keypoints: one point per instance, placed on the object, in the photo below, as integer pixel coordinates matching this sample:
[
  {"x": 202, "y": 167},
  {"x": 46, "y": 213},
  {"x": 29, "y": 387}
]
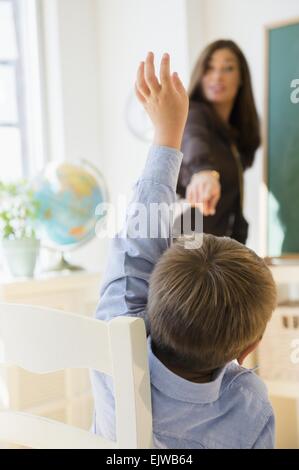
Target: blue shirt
[{"x": 233, "y": 410}]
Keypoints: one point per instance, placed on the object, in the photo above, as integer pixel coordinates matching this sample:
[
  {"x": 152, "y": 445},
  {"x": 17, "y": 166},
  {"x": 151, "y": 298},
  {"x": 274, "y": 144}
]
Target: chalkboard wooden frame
[{"x": 285, "y": 258}]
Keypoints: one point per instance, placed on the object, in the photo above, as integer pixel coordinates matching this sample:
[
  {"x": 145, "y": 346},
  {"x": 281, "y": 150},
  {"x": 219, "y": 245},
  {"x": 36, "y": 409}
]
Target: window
[{"x": 21, "y": 147}]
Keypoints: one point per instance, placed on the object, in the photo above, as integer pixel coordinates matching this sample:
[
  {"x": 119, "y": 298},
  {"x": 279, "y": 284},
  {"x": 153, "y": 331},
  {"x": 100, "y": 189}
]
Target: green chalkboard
[{"x": 282, "y": 139}]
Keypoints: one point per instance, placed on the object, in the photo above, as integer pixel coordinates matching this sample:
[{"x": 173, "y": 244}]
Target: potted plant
[{"x": 18, "y": 215}]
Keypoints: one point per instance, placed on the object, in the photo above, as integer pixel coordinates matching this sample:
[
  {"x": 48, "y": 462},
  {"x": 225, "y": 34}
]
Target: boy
[{"x": 204, "y": 307}]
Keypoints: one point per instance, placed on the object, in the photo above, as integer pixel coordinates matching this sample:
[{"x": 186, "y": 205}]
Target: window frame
[
  {"x": 32, "y": 139},
  {"x": 17, "y": 65}
]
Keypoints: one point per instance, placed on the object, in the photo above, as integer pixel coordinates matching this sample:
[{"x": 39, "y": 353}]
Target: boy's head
[{"x": 208, "y": 305}]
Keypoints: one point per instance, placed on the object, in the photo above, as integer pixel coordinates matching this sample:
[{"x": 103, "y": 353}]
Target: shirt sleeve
[
  {"x": 266, "y": 439},
  {"x": 133, "y": 252},
  {"x": 196, "y": 147}
]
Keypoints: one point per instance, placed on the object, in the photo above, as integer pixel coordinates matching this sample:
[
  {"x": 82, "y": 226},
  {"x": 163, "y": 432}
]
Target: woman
[{"x": 220, "y": 139}]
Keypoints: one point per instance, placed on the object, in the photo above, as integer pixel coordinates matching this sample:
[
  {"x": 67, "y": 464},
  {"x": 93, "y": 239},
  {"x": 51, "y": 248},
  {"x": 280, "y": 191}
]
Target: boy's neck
[
  {"x": 200, "y": 377},
  {"x": 191, "y": 376}
]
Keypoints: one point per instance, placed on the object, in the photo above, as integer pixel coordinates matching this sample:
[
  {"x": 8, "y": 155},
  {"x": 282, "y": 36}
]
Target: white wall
[
  {"x": 244, "y": 22},
  {"x": 72, "y": 93},
  {"x": 93, "y": 48},
  {"x": 92, "y": 51},
  {"x": 195, "y": 24},
  {"x": 72, "y": 67},
  {"x": 127, "y": 30}
]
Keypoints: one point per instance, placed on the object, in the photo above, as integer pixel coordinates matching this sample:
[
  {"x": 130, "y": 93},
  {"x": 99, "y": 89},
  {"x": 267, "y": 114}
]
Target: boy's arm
[{"x": 132, "y": 258}]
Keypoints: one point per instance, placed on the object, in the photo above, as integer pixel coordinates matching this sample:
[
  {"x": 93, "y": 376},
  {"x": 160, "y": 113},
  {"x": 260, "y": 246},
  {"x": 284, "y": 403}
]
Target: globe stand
[{"x": 64, "y": 265}]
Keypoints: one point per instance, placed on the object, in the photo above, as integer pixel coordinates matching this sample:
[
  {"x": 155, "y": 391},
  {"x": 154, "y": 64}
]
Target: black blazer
[{"x": 207, "y": 146}]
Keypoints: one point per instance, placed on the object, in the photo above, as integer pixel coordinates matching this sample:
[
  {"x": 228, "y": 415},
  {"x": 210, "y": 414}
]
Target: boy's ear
[{"x": 247, "y": 351}]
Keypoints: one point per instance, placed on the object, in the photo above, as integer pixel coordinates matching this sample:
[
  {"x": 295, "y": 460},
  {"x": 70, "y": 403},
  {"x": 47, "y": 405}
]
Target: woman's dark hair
[{"x": 244, "y": 122}]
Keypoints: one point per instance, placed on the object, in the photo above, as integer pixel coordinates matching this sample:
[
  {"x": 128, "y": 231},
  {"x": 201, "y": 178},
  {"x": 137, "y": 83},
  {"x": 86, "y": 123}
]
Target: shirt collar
[{"x": 176, "y": 387}]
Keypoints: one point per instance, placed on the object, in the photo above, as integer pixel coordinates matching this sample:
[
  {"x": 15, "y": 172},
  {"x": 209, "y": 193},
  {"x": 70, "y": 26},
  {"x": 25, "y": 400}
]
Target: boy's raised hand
[{"x": 166, "y": 102}]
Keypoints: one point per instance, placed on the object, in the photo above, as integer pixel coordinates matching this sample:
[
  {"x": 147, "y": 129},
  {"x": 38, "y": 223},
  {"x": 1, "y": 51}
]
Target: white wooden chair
[{"x": 43, "y": 340}]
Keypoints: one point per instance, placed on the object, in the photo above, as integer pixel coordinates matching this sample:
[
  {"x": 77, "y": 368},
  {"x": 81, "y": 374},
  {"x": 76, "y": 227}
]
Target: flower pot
[{"x": 21, "y": 255}]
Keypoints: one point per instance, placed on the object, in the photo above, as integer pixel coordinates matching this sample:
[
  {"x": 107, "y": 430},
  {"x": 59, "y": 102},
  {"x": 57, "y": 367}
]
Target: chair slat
[
  {"x": 42, "y": 433},
  {"x": 30, "y": 332},
  {"x": 131, "y": 384},
  {"x": 43, "y": 340}
]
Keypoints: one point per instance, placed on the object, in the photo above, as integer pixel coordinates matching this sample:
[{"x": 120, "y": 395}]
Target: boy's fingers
[
  {"x": 165, "y": 70},
  {"x": 178, "y": 83},
  {"x": 140, "y": 83},
  {"x": 139, "y": 95},
  {"x": 149, "y": 74}
]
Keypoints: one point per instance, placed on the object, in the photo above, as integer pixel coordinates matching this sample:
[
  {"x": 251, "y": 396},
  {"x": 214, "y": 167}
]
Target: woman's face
[{"x": 221, "y": 80}]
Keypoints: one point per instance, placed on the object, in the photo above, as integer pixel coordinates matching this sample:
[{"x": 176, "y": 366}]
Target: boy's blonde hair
[{"x": 207, "y": 305}]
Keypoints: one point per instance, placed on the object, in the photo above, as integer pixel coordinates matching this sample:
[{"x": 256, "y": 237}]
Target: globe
[{"x": 68, "y": 195}]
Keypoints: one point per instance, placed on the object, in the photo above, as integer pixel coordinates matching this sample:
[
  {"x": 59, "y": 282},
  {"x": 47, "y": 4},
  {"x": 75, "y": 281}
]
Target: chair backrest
[{"x": 43, "y": 340}]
